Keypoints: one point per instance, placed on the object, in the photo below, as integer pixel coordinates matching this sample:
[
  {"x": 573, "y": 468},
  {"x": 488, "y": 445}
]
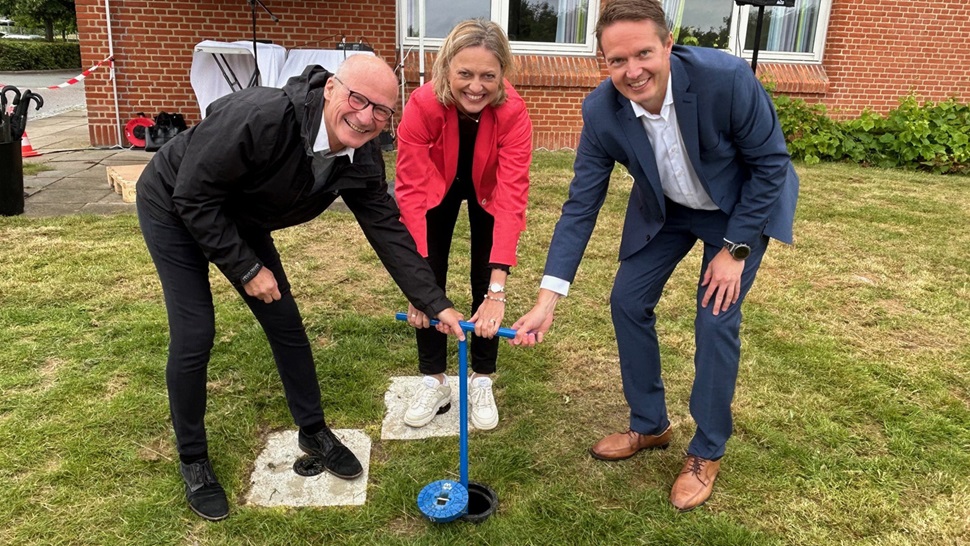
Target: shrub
[
  {"x": 933, "y": 136},
  {"x": 30, "y": 55}
]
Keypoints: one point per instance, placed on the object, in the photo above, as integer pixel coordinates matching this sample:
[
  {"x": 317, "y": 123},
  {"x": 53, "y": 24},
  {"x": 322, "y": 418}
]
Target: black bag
[{"x": 165, "y": 128}]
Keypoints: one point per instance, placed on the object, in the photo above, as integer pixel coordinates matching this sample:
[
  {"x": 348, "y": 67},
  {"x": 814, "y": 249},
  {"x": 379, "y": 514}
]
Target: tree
[
  {"x": 532, "y": 21},
  {"x": 52, "y": 15}
]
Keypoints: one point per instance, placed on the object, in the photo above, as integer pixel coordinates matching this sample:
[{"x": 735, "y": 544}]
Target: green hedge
[
  {"x": 32, "y": 55},
  {"x": 930, "y": 136}
]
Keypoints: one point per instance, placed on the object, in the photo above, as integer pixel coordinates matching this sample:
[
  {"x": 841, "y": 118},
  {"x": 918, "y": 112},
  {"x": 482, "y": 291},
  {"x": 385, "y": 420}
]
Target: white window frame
[
  {"x": 500, "y": 14},
  {"x": 738, "y": 36}
]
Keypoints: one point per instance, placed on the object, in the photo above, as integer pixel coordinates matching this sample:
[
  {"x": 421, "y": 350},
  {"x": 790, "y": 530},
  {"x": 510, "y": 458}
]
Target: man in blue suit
[{"x": 701, "y": 139}]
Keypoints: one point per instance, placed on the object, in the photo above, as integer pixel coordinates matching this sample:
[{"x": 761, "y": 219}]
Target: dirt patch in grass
[{"x": 158, "y": 449}]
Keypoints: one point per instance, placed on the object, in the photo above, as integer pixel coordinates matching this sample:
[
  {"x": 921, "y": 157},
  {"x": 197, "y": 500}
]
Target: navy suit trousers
[{"x": 637, "y": 289}]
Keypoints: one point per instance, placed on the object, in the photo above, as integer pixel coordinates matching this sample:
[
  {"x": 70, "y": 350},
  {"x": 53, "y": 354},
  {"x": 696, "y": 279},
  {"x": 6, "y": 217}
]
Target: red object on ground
[
  {"x": 135, "y": 127},
  {"x": 26, "y": 150}
]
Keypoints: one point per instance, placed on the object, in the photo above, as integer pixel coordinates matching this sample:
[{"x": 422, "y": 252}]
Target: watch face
[
  {"x": 741, "y": 252},
  {"x": 496, "y": 287}
]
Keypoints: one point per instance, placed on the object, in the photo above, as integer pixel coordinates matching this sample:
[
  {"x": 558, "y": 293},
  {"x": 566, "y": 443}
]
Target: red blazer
[{"x": 427, "y": 162}]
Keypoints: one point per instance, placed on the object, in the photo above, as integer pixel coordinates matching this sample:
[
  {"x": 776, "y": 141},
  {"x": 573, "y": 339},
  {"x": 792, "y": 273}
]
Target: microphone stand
[
  {"x": 757, "y": 38},
  {"x": 254, "y": 82}
]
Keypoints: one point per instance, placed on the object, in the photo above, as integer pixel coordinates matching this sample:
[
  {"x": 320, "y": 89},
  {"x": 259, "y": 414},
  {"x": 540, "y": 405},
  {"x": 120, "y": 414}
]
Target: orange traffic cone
[{"x": 26, "y": 150}]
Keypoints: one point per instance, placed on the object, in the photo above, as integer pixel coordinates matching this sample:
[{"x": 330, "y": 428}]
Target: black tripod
[
  {"x": 254, "y": 81},
  {"x": 757, "y": 39},
  {"x": 761, "y": 15}
]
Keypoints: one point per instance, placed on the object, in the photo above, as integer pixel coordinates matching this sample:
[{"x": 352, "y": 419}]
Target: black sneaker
[
  {"x": 206, "y": 497},
  {"x": 336, "y": 458}
]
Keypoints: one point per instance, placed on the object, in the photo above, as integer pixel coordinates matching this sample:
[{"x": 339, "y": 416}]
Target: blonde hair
[{"x": 471, "y": 33}]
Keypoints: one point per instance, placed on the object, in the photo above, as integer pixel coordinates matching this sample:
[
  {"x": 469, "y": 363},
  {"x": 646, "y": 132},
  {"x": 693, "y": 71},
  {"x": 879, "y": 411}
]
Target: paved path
[{"x": 78, "y": 183}]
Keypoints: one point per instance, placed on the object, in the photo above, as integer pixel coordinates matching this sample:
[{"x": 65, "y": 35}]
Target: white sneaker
[
  {"x": 484, "y": 413},
  {"x": 431, "y": 398}
]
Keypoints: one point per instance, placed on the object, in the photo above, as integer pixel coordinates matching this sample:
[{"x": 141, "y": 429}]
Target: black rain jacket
[{"x": 247, "y": 168}]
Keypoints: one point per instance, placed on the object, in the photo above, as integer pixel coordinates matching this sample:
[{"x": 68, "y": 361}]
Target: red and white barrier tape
[
  {"x": 79, "y": 77},
  {"x": 82, "y": 75}
]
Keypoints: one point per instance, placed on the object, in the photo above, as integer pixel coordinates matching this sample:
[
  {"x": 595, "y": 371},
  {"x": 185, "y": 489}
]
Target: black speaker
[
  {"x": 769, "y": 3},
  {"x": 353, "y": 46}
]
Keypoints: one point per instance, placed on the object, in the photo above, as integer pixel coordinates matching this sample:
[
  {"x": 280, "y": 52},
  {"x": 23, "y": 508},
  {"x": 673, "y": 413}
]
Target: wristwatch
[
  {"x": 496, "y": 287},
  {"x": 738, "y": 251}
]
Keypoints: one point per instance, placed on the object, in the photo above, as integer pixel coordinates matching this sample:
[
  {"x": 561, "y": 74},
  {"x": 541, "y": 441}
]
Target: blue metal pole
[
  {"x": 463, "y": 413},
  {"x": 468, "y": 327}
]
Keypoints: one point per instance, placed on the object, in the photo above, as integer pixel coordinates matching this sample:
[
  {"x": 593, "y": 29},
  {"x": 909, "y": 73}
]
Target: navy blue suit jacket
[{"x": 734, "y": 142}]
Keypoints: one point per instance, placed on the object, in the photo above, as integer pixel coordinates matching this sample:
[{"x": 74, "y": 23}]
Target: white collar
[{"x": 322, "y": 144}]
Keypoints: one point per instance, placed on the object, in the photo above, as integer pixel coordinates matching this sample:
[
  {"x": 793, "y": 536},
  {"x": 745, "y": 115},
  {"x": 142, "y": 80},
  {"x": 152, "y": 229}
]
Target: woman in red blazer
[{"x": 465, "y": 136}]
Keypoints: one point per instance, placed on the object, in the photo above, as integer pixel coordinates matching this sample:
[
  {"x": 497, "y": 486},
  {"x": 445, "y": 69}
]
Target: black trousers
[
  {"x": 184, "y": 273},
  {"x": 433, "y": 345}
]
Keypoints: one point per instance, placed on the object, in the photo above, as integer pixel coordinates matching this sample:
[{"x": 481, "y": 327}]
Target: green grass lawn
[{"x": 852, "y": 415}]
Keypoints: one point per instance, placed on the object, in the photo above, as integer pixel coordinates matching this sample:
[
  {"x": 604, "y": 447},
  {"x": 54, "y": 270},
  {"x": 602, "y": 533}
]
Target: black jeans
[
  {"x": 184, "y": 273},
  {"x": 433, "y": 345}
]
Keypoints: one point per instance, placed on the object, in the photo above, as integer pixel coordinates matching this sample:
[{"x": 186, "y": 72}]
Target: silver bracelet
[{"x": 494, "y": 299}]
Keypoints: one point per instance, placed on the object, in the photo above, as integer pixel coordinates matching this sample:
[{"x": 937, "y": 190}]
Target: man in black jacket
[{"x": 265, "y": 159}]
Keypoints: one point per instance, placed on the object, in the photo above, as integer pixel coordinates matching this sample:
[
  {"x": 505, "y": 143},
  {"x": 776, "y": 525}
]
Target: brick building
[{"x": 847, "y": 54}]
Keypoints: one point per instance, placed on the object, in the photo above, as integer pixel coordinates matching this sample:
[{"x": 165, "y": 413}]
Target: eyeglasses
[{"x": 360, "y": 103}]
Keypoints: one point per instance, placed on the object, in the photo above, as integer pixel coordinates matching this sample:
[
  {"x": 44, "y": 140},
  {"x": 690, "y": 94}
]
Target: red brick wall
[
  {"x": 880, "y": 50},
  {"x": 553, "y": 87},
  {"x": 876, "y": 52},
  {"x": 153, "y": 43}
]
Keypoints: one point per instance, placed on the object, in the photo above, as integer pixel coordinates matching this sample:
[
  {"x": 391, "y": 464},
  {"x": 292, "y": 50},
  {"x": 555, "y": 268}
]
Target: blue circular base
[{"x": 443, "y": 501}]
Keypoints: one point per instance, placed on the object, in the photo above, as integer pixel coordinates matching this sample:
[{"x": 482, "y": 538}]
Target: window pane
[
  {"x": 555, "y": 21},
  {"x": 785, "y": 29},
  {"x": 699, "y": 22},
  {"x": 443, "y": 15}
]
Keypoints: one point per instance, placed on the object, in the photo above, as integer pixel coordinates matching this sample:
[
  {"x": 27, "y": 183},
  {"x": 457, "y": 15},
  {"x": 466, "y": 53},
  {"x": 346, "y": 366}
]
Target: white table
[
  {"x": 220, "y": 68},
  {"x": 298, "y": 59}
]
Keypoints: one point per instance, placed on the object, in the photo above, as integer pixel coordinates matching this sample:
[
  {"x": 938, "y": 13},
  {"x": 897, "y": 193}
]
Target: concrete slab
[
  {"x": 57, "y": 139},
  {"x": 274, "y": 483},
  {"x": 338, "y": 206},
  {"x": 77, "y": 197},
  {"x": 55, "y": 174},
  {"x": 80, "y": 183},
  {"x": 40, "y": 210},
  {"x": 66, "y": 130},
  {"x": 84, "y": 159},
  {"x": 127, "y": 158},
  {"x": 34, "y": 184},
  {"x": 396, "y": 399},
  {"x": 66, "y": 168}
]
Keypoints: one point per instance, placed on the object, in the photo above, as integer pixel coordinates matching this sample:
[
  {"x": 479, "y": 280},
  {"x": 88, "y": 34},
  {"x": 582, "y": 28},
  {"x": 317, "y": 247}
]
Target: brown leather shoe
[
  {"x": 695, "y": 483},
  {"x": 623, "y": 445}
]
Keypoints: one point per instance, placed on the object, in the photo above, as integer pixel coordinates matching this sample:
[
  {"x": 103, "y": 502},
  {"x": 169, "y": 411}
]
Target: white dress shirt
[
  {"x": 323, "y": 160},
  {"x": 677, "y": 176}
]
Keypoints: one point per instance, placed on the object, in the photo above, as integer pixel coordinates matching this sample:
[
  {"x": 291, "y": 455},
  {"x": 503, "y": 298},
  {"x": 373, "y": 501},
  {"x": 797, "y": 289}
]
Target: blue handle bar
[{"x": 466, "y": 326}]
